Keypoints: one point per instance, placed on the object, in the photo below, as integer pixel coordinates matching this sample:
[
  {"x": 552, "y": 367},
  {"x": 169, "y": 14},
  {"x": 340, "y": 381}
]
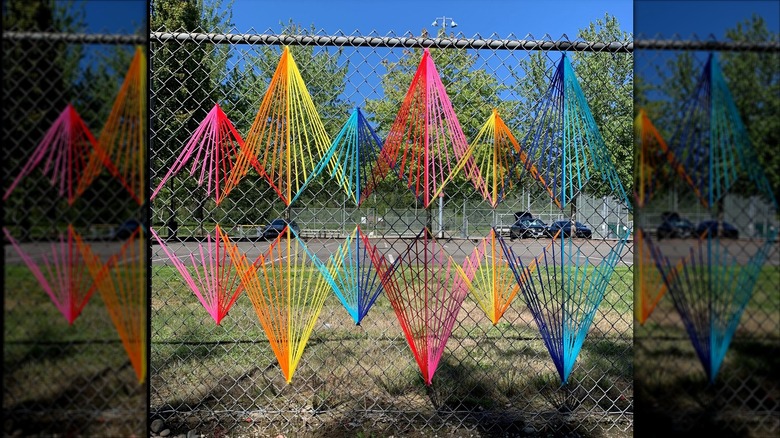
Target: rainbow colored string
[
  {"x": 564, "y": 143},
  {"x": 211, "y": 152},
  {"x": 62, "y": 273},
  {"x": 287, "y": 137},
  {"x": 121, "y": 281},
  {"x": 712, "y": 143},
  {"x": 215, "y": 283},
  {"x": 287, "y": 286},
  {"x": 352, "y": 159},
  {"x": 123, "y": 138},
  {"x": 426, "y": 289},
  {"x": 563, "y": 295},
  {"x": 710, "y": 287},
  {"x": 64, "y": 151},
  {"x": 355, "y": 280},
  {"x": 426, "y": 141}
]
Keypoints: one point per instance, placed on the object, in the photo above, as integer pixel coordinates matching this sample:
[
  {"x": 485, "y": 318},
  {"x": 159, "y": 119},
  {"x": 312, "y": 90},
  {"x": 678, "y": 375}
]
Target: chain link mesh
[
  {"x": 673, "y": 393},
  {"x": 62, "y": 379},
  {"x": 492, "y": 379},
  {"x": 224, "y": 379}
]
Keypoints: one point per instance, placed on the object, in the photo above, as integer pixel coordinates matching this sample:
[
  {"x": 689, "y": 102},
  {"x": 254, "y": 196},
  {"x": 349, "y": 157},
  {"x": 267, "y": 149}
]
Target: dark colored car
[
  {"x": 710, "y": 228},
  {"x": 528, "y": 228},
  {"x": 580, "y": 230},
  {"x": 674, "y": 226},
  {"x": 124, "y": 231},
  {"x": 276, "y": 227},
  {"x": 521, "y": 215}
]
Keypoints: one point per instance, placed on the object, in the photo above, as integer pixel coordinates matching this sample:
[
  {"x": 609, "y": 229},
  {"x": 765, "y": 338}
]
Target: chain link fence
[
  {"x": 65, "y": 370},
  {"x": 673, "y": 394},
  {"x": 224, "y": 379},
  {"x": 492, "y": 379}
]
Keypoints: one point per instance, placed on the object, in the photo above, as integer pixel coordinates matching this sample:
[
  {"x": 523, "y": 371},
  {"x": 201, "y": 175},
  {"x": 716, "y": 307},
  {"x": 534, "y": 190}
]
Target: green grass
[
  {"x": 231, "y": 366},
  {"x": 30, "y": 315},
  {"x": 372, "y": 361},
  {"x": 54, "y": 372}
]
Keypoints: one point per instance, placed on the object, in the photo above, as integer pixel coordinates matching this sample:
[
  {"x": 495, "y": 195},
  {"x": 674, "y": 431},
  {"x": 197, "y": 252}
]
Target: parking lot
[
  {"x": 459, "y": 249},
  {"x": 594, "y": 250}
]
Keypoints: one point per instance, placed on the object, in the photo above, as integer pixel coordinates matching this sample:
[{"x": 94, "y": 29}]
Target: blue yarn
[
  {"x": 351, "y": 157},
  {"x": 357, "y": 283},
  {"x": 564, "y": 142},
  {"x": 563, "y": 295},
  {"x": 711, "y": 140},
  {"x": 710, "y": 291}
]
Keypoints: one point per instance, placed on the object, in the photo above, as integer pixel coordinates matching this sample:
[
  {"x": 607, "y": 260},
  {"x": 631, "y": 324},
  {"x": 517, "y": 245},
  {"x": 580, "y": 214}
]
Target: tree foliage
[
  {"x": 38, "y": 81},
  {"x": 186, "y": 78},
  {"x": 753, "y": 79},
  {"x": 607, "y": 82}
]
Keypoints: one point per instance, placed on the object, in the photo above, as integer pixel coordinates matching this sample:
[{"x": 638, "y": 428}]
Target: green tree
[
  {"x": 669, "y": 84},
  {"x": 754, "y": 81},
  {"x": 185, "y": 81},
  {"x": 607, "y": 82},
  {"x": 95, "y": 91},
  {"x": 37, "y": 85}
]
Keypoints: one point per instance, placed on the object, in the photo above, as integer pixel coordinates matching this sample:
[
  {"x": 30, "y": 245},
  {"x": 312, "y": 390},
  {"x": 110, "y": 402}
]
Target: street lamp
[
  {"x": 444, "y": 22},
  {"x": 441, "y": 196}
]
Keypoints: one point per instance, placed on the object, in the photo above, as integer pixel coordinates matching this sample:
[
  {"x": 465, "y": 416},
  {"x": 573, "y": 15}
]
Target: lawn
[
  {"x": 357, "y": 374},
  {"x": 59, "y": 377}
]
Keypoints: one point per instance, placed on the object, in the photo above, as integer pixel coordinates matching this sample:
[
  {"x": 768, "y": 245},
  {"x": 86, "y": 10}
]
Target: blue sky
[
  {"x": 114, "y": 16},
  {"x": 503, "y": 17},
  {"x": 400, "y": 17},
  {"x": 692, "y": 19},
  {"x": 649, "y": 18},
  {"x": 702, "y": 18}
]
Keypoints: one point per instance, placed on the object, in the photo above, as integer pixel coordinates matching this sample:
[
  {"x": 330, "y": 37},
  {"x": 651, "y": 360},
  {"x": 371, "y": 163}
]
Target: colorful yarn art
[
  {"x": 209, "y": 274},
  {"x": 287, "y": 137}
]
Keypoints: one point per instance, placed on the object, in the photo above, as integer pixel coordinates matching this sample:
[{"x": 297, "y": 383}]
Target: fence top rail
[
  {"x": 400, "y": 41},
  {"x": 77, "y": 38},
  {"x": 393, "y": 41},
  {"x": 706, "y": 45},
  {"x": 562, "y": 44}
]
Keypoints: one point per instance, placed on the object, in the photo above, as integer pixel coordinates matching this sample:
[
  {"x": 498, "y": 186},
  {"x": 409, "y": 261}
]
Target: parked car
[
  {"x": 580, "y": 230},
  {"x": 674, "y": 226},
  {"x": 528, "y": 228},
  {"x": 124, "y": 231},
  {"x": 520, "y": 215},
  {"x": 710, "y": 228},
  {"x": 276, "y": 227}
]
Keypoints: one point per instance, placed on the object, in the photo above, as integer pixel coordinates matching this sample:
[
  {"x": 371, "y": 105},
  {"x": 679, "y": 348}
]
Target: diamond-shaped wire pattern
[
  {"x": 495, "y": 379},
  {"x": 68, "y": 377},
  {"x": 672, "y": 381}
]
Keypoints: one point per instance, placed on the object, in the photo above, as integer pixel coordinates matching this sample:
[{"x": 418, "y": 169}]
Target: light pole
[
  {"x": 444, "y": 22},
  {"x": 441, "y": 196}
]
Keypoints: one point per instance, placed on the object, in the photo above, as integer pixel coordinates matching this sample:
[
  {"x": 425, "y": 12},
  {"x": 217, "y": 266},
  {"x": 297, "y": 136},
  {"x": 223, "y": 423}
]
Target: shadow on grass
[
  {"x": 19, "y": 354},
  {"x": 740, "y": 403},
  {"x": 465, "y": 392},
  {"x": 465, "y": 399},
  {"x": 612, "y": 356},
  {"x": 187, "y": 345},
  {"x": 82, "y": 407}
]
